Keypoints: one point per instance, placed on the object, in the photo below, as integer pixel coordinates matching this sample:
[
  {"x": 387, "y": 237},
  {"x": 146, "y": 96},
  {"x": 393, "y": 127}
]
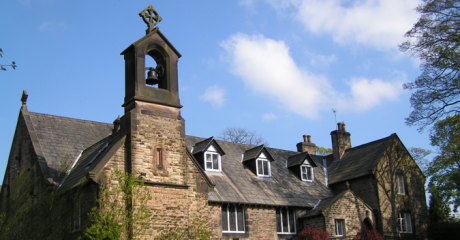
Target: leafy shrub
[
  {"x": 444, "y": 230},
  {"x": 312, "y": 234},
  {"x": 368, "y": 235}
]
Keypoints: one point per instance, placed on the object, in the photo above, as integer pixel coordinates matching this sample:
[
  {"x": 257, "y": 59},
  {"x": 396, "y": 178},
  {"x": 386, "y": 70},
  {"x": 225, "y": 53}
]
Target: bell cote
[{"x": 152, "y": 84}]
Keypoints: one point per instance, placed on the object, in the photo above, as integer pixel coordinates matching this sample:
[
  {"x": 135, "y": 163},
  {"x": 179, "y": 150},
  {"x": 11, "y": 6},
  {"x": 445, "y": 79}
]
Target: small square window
[
  {"x": 212, "y": 162},
  {"x": 307, "y": 172},
  {"x": 339, "y": 227},
  {"x": 405, "y": 223},
  {"x": 263, "y": 167}
]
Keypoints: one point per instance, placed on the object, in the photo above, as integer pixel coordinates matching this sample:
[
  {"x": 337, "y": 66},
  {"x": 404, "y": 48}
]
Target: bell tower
[{"x": 152, "y": 124}]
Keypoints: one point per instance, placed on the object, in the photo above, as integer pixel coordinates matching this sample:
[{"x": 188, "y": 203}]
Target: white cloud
[
  {"x": 376, "y": 23},
  {"x": 269, "y": 116},
  {"x": 215, "y": 95},
  {"x": 266, "y": 67},
  {"x": 51, "y": 26}
]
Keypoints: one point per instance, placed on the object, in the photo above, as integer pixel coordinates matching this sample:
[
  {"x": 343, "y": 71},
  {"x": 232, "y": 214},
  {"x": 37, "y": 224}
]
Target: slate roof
[
  {"x": 238, "y": 184},
  {"x": 62, "y": 139},
  {"x": 89, "y": 160},
  {"x": 298, "y": 159},
  {"x": 203, "y": 145},
  {"x": 358, "y": 161}
]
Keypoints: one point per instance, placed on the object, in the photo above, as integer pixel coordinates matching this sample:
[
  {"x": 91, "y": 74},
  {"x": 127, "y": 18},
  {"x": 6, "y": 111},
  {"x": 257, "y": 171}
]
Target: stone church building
[{"x": 244, "y": 191}]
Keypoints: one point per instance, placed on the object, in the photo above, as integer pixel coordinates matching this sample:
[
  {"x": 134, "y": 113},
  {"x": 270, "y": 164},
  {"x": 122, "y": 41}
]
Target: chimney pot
[
  {"x": 305, "y": 138},
  {"x": 116, "y": 125},
  {"x": 343, "y": 127},
  {"x": 309, "y": 138},
  {"x": 339, "y": 126}
]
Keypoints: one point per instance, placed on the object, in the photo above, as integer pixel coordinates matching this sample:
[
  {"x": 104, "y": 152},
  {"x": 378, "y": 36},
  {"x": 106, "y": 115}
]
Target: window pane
[
  {"x": 240, "y": 219},
  {"x": 285, "y": 219},
  {"x": 309, "y": 173},
  {"x": 259, "y": 167},
  {"x": 291, "y": 220},
  {"x": 278, "y": 220},
  {"x": 408, "y": 223},
  {"x": 224, "y": 218},
  {"x": 266, "y": 167},
  {"x": 208, "y": 165},
  {"x": 232, "y": 217},
  {"x": 208, "y": 157},
  {"x": 215, "y": 161}
]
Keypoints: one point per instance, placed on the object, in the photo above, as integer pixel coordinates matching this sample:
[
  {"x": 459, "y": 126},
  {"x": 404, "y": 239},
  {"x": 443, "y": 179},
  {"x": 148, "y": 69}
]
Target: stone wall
[{"x": 314, "y": 222}]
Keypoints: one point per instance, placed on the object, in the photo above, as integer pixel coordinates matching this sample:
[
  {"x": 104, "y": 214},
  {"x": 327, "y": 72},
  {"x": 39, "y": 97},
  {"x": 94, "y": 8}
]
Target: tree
[
  {"x": 241, "y": 135},
  {"x": 445, "y": 168},
  {"x": 419, "y": 155},
  {"x": 322, "y": 151},
  {"x": 435, "y": 40},
  {"x": 13, "y": 64},
  {"x": 438, "y": 208}
]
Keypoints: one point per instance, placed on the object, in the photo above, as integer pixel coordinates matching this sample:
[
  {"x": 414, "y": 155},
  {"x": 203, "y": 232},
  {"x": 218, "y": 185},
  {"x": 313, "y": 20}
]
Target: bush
[
  {"x": 444, "y": 230},
  {"x": 368, "y": 235},
  {"x": 312, "y": 234}
]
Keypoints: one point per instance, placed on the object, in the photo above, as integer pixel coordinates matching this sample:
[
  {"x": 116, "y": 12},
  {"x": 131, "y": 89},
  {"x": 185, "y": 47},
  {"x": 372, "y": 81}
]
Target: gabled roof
[
  {"x": 237, "y": 184},
  {"x": 62, "y": 139},
  {"x": 253, "y": 153},
  {"x": 298, "y": 159},
  {"x": 358, "y": 161},
  {"x": 90, "y": 160},
  {"x": 200, "y": 147}
]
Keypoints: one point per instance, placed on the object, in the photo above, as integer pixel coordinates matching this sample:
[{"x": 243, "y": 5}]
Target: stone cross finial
[
  {"x": 24, "y": 97},
  {"x": 151, "y": 18},
  {"x": 348, "y": 184}
]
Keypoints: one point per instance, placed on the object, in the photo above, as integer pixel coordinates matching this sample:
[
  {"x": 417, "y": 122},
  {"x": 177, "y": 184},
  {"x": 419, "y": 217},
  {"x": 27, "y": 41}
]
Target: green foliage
[
  {"x": 438, "y": 208},
  {"x": 322, "y": 151},
  {"x": 368, "y": 235},
  {"x": 444, "y": 230},
  {"x": 434, "y": 39},
  {"x": 121, "y": 212},
  {"x": 197, "y": 229},
  {"x": 419, "y": 155},
  {"x": 445, "y": 168},
  {"x": 26, "y": 209}
]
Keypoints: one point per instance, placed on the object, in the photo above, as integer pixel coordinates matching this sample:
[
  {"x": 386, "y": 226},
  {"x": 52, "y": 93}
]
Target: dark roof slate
[
  {"x": 324, "y": 204},
  {"x": 88, "y": 160},
  {"x": 298, "y": 159},
  {"x": 62, "y": 139},
  {"x": 203, "y": 145},
  {"x": 237, "y": 184},
  {"x": 358, "y": 161}
]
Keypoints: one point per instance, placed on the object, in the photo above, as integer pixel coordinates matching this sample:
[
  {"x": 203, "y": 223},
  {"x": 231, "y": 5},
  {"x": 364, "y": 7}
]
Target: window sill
[
  {"x": 235, "y": 234},
  {"x": 213, "y": 172}
]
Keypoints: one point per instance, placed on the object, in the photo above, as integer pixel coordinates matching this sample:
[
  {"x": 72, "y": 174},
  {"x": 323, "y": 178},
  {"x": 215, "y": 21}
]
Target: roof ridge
[
  {"x": 369, "y": 143},
  {"x": 82, "y": 120}
]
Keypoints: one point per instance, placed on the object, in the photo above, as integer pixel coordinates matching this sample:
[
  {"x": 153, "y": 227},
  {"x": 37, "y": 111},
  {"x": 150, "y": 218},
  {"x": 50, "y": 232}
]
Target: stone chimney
[
  {"x": 306, "y": 145},
  {"x": 340, "y": 141}
]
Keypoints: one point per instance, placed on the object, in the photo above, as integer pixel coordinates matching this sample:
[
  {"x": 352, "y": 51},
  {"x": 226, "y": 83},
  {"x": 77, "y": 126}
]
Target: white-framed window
[
  {"x": 306, "y": 171},
  {"x": 285, "y": 221},
  {"x": 400, "y": 183},
  {"x": 405, "y": 224},
  {"x": 263, "y": 166},
  {"x": 75, "y": 223},
  {"x": 212, "y": 160},
  {"x": 232, "y": 218},
  {"x": 339, "y": 227}
]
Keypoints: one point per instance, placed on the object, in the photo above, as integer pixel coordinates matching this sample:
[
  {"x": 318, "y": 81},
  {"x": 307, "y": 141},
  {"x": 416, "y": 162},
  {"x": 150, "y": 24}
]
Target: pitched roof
[
  {"x": 203, "y": 145},
  {"x": 358, "y": 161},
  {"x": 62, "y": 139},
  {"x": 298, "y": 159},
  {"x": 324, "y": 204},
  {"x": 254, "y": 152},
  {"x": 238, "y": 184},
  {"x": 88, "y": 160}
]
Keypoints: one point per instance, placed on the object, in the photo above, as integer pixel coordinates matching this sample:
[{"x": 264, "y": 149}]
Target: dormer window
[
  {"x": 302, "y": 165},
  {"x": 263, "y": 166},
  {"x": 212, "y": 160},
  {"x": 209, "y": 155},
  {"x": 307, "y": 172}
]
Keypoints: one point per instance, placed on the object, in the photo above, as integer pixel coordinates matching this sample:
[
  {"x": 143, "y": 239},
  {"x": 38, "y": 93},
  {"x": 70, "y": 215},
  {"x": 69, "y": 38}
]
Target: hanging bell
[{"x": 152, "y": 78}]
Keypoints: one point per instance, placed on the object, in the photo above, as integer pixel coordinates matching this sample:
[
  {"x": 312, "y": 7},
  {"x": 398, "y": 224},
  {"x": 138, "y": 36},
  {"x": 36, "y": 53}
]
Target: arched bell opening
[
  {"x": 155, "y": 66},
  {"x": 367, "y": 224}
]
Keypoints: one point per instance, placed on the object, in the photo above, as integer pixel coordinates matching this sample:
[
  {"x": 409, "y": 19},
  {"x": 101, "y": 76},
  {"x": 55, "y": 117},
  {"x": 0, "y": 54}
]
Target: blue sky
[{"x": 272, "y": 66}]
